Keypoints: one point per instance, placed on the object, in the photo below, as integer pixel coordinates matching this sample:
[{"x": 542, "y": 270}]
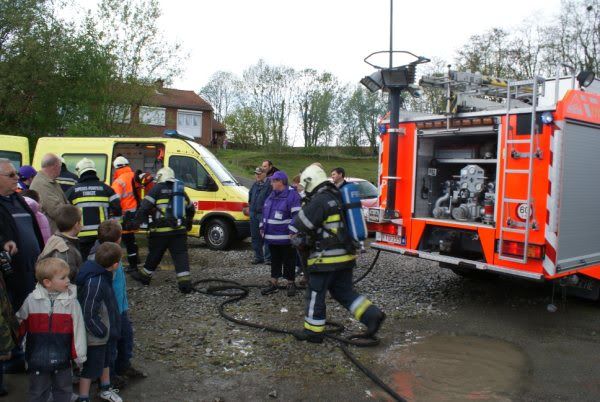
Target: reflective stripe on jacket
[
  {"x": 97, "y": 201},
  {"x": 321, "y": 220},
  {"x": 155, "y": 209},
  {"x": 123, "y": 187},
  {"x": 279, "y": 210}
]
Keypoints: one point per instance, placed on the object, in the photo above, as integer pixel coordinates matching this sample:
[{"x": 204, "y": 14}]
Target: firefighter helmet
[
  {"x": 311, "y": 177},
  {"x": 85, "y": 165},
  {"x": 165, "y": 174},
  {"x": 120, "y": 161}
]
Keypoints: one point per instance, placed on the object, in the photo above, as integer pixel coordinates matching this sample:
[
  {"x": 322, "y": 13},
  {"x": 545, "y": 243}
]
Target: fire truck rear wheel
[{"x": 218, "y": 234}]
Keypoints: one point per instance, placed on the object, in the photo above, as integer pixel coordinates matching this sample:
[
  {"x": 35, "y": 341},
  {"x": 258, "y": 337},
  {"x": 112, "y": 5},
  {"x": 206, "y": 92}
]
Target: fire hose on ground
[{"x": 235, "y": 292}]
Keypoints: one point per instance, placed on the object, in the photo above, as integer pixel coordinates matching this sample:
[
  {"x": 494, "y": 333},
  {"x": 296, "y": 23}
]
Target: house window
[
  {"x": 120, "y": 114},
  {"x": 189, "y": 122},
  {"x": 154, "y": 116}
]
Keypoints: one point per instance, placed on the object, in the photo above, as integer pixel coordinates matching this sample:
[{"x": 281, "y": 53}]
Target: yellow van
[
  {"x": 216, "y": 194},
  {"x": 15, "y": 148}
]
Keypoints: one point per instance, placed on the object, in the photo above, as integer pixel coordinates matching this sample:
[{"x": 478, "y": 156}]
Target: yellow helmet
[
  {"x": 165, "y": 174},
  {"x": 85, "y": 165},
  {"x": 312, "y": 176}
]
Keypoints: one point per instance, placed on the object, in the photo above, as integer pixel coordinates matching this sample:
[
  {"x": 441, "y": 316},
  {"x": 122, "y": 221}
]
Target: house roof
[
  {"x": 218, "y": 127},
  {"x": 181, "y": 99}
]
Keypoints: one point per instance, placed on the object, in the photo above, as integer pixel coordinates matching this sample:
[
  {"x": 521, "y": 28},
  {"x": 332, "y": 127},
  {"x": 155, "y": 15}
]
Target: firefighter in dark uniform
[
  {"x": 165, "y": 231},
  {"x": 66, "y": 179},
  {"x": 320, "y": 227},
  {"x": 97, "y": 201}
]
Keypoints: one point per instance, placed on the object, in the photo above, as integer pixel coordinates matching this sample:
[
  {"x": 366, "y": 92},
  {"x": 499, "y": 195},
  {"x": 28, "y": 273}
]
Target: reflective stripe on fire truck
[{"x": 554, "y": 174}]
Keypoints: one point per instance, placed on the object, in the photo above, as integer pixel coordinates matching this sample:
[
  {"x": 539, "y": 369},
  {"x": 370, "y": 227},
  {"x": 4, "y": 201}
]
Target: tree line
[
  {"x": 79, "y": 76},
  {"x": 259, "y": 106},
  {"x": 61, "y": 76}
]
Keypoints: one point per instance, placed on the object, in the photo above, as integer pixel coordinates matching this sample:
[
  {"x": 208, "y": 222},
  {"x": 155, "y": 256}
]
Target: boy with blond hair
[
  {"x": 51, "y": 319},
  {"x": 101, "y": 317}
]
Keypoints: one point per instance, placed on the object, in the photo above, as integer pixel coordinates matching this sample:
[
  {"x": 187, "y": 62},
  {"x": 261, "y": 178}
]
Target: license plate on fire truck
[{"x": 388, "y": 238}]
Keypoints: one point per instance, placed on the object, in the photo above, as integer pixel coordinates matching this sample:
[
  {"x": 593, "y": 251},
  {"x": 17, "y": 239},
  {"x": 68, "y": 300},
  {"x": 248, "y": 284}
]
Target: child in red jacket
[{"x": 51, "y": 319}]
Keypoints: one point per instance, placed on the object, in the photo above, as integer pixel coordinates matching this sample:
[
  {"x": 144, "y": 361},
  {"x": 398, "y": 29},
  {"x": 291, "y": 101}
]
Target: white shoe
[{"x": 111, "y": 395}]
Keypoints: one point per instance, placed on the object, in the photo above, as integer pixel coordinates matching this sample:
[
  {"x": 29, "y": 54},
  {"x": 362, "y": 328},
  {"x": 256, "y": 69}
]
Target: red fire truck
[{"x": 504, "y": 181}]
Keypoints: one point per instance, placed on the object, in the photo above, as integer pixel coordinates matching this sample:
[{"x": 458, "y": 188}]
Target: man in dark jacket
[
  {"x": 259, "y": 192},
  {"x": 97, "y": 202},
  {"x": 66, "y": 179},
  {"x": 20, "y": 236},
  {"x": 165, "y": 230},
  {"x": 269, "y": 168},
  {"x": 331, "y": 258}
]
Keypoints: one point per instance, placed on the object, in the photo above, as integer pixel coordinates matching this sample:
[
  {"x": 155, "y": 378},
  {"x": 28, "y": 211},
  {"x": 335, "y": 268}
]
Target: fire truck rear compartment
[
  {"x": 456, "y": 177},
  {"x": 460, "y": 243}
]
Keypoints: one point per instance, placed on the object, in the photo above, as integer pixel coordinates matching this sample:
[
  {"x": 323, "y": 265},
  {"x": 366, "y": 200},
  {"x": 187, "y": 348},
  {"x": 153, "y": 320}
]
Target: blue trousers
[
  {"x": 122, "y": 349},
  {"x": 261, "y": 249}
]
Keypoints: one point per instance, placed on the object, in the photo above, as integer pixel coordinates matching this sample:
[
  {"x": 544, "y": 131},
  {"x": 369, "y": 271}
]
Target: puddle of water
[{"x": 457, "y": 368}]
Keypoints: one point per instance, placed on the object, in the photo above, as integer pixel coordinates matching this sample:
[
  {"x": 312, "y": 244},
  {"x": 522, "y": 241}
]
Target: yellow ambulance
[
  {"x": 218, "y": 197},
  {"x": 15, "y": 148}
]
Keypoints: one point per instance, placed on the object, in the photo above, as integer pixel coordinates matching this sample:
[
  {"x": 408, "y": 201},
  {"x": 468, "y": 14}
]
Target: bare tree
[
  {"x": 360, "y": 114},
  {"x": 221, "y": 92},
  {"x": 130, "y": 30},
  {"x": 317, "y": 98},
  {"x": 574, "y": 35},
  {"x": 268, "y": 91}
]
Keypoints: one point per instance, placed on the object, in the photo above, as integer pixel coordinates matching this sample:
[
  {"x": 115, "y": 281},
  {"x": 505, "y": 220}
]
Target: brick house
[{"x": 181, "y": 110}]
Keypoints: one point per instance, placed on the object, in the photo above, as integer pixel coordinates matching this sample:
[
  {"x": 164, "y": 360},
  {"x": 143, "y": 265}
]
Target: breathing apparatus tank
[{"x": 357, "y": 228}]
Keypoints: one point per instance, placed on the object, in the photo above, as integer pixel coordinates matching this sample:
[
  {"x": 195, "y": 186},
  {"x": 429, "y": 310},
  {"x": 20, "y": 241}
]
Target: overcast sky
[{"x": 332, "y": 35}]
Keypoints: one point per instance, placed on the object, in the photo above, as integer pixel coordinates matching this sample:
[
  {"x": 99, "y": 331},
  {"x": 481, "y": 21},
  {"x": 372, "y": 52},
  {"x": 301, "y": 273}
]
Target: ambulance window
[
  {"x": 14, "y": 157},
  {"x": 99, "y": 160},
  {"x": 192, "y": 173}
]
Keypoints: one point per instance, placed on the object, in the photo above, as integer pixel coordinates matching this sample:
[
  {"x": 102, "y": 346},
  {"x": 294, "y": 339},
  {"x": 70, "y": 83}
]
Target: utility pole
[{"x": 391, "y": 33}]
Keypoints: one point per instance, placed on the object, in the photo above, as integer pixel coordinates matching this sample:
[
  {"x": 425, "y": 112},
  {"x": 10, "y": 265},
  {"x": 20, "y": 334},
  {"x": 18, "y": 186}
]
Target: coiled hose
[{"x": 235, "y": 292}]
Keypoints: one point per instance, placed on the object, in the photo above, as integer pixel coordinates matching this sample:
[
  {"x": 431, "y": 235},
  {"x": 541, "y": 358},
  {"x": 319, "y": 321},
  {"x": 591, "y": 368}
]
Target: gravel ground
[{"x": 446, "y": 338}]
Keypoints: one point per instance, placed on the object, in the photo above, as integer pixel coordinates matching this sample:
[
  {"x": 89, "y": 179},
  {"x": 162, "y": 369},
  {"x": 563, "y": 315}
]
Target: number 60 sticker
[{"x": 523, "y": 210}]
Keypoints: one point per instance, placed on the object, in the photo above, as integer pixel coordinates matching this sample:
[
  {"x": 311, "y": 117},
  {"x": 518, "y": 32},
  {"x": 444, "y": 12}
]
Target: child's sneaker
[{"x": 111, "y": 394}]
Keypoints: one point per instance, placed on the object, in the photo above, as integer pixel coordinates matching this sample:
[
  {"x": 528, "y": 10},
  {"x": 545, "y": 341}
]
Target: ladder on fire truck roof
[
  {"x": 507, "y": 225},
  {"x": 474, "y": 91}
]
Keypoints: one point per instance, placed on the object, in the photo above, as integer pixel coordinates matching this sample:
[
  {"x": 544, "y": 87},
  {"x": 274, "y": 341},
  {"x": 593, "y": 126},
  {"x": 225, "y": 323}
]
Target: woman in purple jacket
[{"x": 280, "y": 207}]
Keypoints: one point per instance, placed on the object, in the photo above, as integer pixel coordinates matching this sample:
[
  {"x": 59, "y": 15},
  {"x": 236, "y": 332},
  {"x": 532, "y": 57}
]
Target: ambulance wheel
[{"x": 218, "y": 234}]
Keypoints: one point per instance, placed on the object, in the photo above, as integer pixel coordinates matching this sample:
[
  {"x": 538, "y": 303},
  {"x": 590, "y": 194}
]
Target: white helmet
[
  {"x": 165, "y": 174},
  {"x": 85, "y": 165},
  {"x": 311, "y": 177},
  {"x": 120, "y": 161}
]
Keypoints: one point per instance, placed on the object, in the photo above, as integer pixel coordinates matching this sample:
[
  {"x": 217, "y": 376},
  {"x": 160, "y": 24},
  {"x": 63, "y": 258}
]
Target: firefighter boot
[
  {"x": 133, "y": 262},
  {"x": 309, "y": 336},
  {"x": 372, "y": 318},
  {"x": 184, "y": 284},
  {"x": 142, "y": 277}
]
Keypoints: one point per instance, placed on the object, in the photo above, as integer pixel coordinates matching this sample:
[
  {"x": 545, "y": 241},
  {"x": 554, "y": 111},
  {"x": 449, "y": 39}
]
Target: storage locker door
[{"x": 579, "y": 208}]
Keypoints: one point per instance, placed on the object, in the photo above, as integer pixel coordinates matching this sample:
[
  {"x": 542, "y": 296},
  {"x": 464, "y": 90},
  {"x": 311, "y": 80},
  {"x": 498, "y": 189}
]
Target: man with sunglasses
[{"x": 20, "y": 236}]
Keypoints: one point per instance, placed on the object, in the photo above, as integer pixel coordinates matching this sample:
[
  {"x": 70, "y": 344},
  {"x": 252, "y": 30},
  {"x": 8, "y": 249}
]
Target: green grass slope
[{"x": 243, "y": 163}]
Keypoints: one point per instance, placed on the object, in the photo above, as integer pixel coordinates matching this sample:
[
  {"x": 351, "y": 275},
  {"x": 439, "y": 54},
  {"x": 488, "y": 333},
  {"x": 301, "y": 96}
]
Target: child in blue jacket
[
  {"x": 101, "y": 318},
  {"x": 121, "y": 349}
]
